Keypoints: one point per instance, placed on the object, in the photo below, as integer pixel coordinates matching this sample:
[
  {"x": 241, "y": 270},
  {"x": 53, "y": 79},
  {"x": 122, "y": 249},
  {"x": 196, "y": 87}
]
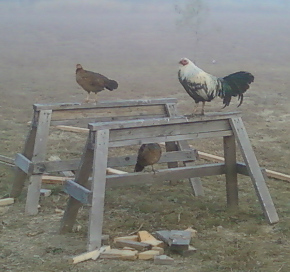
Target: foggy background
[{"x": 137, "y": 44}]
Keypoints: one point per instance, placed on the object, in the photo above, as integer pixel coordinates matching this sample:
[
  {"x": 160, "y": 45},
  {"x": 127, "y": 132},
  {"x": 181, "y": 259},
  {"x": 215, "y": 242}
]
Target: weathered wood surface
[
  {"x": 39, "y": 153},
  {"x": 166, "y": 174},
  {"x": 82, "y": 177},
  {"x": 6, "y": 160},
  {"x": 19, "y": 175},
  {"x": 231, "y": 171},
  {"x": 78, "y": 192},
  {"x": 98, "y": 188},
  {"x": 23, "y": 163},
  {"x": 84, "y": 195},
  {"x": 254, "y": 170},
  {"x": 103, "y": 104},
  {"x": 129, "y": 160}
]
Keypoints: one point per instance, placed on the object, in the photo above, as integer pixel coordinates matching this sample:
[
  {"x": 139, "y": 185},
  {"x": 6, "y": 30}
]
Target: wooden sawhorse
[
  {"x": 31, "y": 162},
  {"x": 103, "y": 135}
]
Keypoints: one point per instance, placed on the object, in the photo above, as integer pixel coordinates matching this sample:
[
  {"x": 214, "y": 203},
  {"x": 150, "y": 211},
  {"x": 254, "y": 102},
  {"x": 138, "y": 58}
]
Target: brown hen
[
  {"x": 93, "y": 82},
  {"x": 148, "y": 154}
]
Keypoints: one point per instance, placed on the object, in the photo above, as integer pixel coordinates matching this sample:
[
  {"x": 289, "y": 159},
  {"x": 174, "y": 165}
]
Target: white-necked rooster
[{"x": 204, "y": 87}]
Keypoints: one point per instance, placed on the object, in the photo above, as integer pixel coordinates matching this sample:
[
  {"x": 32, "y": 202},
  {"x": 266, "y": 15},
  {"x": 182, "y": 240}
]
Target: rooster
[
  {"x": 93, "y": 82},
  {"x": 204, "y": 87},
  {"x": 148, "y": 154}
]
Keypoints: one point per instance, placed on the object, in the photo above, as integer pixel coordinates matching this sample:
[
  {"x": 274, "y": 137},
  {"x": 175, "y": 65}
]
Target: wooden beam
[
  {"x": 254, "y": 170},
  {"x": 23, "y": 163},
  {"x": 103, "y": 104},
  {"x": 166, "y": 174},
  {"x": 6, "y": 201},
  {"x": 6, "y": 160},
  {"x": 78, "y": 192}
]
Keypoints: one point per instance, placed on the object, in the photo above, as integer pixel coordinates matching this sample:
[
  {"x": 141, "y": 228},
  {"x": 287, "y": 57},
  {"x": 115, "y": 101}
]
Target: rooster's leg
[
  {"x": 88, "y": 98},
  {"x": 96, "y": 98},
  {"x": 202, "y": 107},
  {"x": 195, "y": 108},
  {"x": 153, "y": 170}
]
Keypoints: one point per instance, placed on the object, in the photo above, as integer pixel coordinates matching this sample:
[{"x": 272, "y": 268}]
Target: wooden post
[
  {"x": 231, "y": 171},
  {"x": 82, "y": 177},
  {"x": 19, "y": 175},
  {"x": 254, "y": 170},
  {"x": 39, "y": 154},
  {"x": 98, "y": 188},
  {"x": 195, "y": 183}
]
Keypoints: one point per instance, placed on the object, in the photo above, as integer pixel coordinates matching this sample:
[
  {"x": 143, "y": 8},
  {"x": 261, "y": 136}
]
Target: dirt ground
[{"x": 40, "y": 46}]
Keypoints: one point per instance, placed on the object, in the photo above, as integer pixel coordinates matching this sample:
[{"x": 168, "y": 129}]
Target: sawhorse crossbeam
[{"x": 116, "y": 134}]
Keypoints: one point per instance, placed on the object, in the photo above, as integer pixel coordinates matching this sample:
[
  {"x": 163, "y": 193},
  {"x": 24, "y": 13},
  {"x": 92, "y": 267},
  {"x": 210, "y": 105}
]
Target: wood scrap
[
  {"x": 72, "y": 129},
  {"x": 145, "y": 236},
  {"x": 119, "y": 254},
  {"x": 88, "y": 255},
  {"x": 130, "y": 238},
  {"x": 160, "y": 249},
  {"x": 163, "y": 260},
  {"x": 141, "y": 246},
  {"x": 45, "y": 192},
  {"x": 6, "y": 201},
  {"x": 147, "y": 255}
]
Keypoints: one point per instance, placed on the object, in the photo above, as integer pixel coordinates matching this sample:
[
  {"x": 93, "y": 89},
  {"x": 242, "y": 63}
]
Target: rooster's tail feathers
[
  {"x": 235, "y": 84},
  {"x": 138, "y": 167},
  {"x": 111, "y": 84}
]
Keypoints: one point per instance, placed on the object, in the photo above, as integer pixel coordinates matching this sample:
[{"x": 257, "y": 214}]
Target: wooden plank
[
  {"x": 166, "y": 174},
  {"x": 78, "y": 192},
  {"x": 141, "y": 246},
  {"x": 193, "y": 136},
  {"x": 83, "y": 122},
  {"x": 6, "y": 201},
  {"x": 104, "y": 104},
  {"x": 137, "y": 111},
  {"x": 119, "y": 254},
  {"x": 270, "y": 173},
  {"x": 73, "y": 129},
  {"x": 39, "y": 153},
  {"x": 19, "y": 175},
  {"x": 130, "y": 238},
  {"x": 82, "y": 177},
  {"x": 277, "y": 175},
  {"x": 115, "y": 171},
  {"x": 54, "y": 179},
  {"x": 195, "y": 182},
  {"x": 231, "y": 171},
  {"x": 6, "y": 160},
  {"x": 96, "y": 215},
  {"x": 64, "y": 165},
  {"x": 181, "y": 121},
  {"x": 254, "y": 170},
  {"x": 88, "y": 255},
  {"x": 148, "y": 255},
  {"x": 23, "y": 163}
]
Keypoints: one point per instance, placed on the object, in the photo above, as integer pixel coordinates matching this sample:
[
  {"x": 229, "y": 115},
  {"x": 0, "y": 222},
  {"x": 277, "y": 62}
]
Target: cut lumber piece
[
  {"x": 160, "y": 249},
  {"x": 72, "y": 129},
  {"x": 277, "y": 175},
  {"x": 113, "y": 171},
  {"x": 155, "y": 243},
  {"x": 88, "y": 255},
  {"x": 137, "y": 245},
  {"x": 127, "y": 238},
  {"x": 119, "y": 254},
  {"x": 188, "y": 252},
  {"x": 192, "y": 231},
  {"x": 145, "y": 235},
  {"x": 176, "y": 239},
  {"x": 163, "y": 260},
  {"x": 148, "y": 255},
  {"x": 45, "y": 192},
  {"x": 54, "y": 179},
  {"x": 6, "y": 201},
  {"x": 270, "y": 173},
  {"x": 179, "y": 239},
  {"x": 6, "y": 160}
]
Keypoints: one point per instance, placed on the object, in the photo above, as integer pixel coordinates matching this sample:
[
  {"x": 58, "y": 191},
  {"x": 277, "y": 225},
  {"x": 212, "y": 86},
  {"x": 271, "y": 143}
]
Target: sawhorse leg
[{"x": 254, "y": 170}]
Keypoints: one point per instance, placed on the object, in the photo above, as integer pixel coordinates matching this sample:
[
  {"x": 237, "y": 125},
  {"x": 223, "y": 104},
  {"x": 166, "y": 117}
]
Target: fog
[{"x": 139, "y": 44}]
